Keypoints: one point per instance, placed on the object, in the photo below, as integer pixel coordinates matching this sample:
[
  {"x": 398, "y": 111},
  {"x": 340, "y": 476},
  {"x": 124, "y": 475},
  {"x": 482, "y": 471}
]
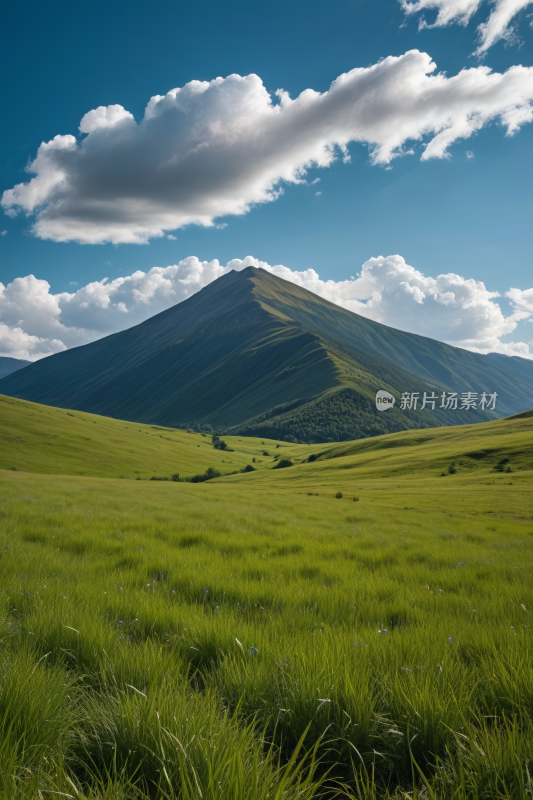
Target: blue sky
[{"x": 467, "y": 214}]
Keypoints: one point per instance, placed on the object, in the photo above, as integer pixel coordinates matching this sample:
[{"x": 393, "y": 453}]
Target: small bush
[
  {"x": 452, "y": 469},
  {"x": 501, "y": 465},
  {"x": 312, "y": 457},
  {"x": 508, "y": 469},
  {"x": 283, "y": 463},
  {"x": 175, "y": 476},
  {"x": 248, "y": 468},
  {"x": 338, "y": 495},
  {"x": 253, "y": 460},
  {"x": 266, "y": 453}
]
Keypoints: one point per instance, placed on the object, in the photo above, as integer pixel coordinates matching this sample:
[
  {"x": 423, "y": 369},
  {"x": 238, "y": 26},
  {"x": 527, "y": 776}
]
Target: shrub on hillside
[
  {"x": 283, "y": 463},
  {"x": 248, "y": 468},
  {"x": 501, "y": 465}
]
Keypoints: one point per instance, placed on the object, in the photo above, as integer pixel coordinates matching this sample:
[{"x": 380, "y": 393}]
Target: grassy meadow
[{"x": 256, "y": 636}]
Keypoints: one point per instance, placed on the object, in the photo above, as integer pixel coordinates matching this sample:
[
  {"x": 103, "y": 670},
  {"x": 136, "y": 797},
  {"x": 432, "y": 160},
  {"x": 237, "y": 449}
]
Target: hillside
[
  {"x": 496, "y": 453},
  {"x": 255, "y": 354},
  {"x": 9, "y": 365},
  {"x": 37, "y": 438}
]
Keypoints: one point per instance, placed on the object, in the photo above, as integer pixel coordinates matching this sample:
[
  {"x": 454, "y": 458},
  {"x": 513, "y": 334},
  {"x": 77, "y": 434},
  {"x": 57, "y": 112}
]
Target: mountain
[
  {"x": 9, "y": 365},
  {"x": 254, "y": 353}
]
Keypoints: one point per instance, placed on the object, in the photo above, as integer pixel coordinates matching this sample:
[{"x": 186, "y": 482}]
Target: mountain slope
[
  {"x": 250, "y": 349},
  {"x": 9, "y": 365}
]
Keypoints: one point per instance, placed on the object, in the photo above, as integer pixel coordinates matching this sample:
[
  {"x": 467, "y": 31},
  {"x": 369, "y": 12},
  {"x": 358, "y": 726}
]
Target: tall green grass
[{"x": 252, "y": 641}]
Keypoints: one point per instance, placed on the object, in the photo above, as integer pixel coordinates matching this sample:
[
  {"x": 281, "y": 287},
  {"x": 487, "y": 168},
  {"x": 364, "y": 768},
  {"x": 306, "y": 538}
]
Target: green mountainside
[{"x": 255, "y": 354}]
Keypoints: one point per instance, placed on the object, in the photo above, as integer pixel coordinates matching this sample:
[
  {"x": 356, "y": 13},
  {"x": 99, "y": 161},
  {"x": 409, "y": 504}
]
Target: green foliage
[
  {"x": 204, "y": 476},
  {"x": 282, "y": 463},
  {"x": 338, "y": 495},
  {"x": 452, "y": 469},
  {"x": 248, "y": 468},
  {"x": 340, "y": 416},
  {"x": 502, "y": 465}
]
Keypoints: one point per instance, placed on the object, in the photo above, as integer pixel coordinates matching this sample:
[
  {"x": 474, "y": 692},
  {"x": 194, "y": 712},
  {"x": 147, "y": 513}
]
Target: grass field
[{"x": 255, "y": 636}]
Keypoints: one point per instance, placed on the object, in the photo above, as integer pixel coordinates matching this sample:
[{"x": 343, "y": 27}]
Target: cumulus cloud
[
  {"x": 211, "y": 149},
  {"x": 522, "y": 300},
  {"x": 497, "y": 26},
  {"x": 15, "y": 343},
  {"x": 463, "y": 312}
]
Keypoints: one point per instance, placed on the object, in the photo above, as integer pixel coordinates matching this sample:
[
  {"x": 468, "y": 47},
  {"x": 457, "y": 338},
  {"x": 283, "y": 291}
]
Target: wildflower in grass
[
  {"x": 383, "y": 630},
  {"x": 450, "y": 640},
  {"x": 253, "y": 651}
]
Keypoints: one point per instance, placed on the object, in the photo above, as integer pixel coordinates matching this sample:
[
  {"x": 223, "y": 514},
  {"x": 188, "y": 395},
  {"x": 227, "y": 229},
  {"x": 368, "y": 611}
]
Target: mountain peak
[{"x": 257, "y": 351}]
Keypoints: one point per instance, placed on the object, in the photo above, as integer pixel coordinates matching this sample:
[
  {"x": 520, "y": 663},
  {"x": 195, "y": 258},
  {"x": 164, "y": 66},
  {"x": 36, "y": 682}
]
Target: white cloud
[
  {"x": 3, "y": 233},
  {"x": 522, "y": 299},
  {"x": 463, "y": 312},
  {"x": 470, "y": 154},
  {"x": 497, "y": 26},
  {"x": 211, "y": 149},
  {"x": 17, "y": 344}
]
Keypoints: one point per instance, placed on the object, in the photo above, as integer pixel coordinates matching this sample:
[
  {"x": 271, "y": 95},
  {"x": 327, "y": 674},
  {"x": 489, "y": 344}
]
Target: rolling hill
[
  {"x": 43, "y": 439},
  {"x": 255, "y": 354}
]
